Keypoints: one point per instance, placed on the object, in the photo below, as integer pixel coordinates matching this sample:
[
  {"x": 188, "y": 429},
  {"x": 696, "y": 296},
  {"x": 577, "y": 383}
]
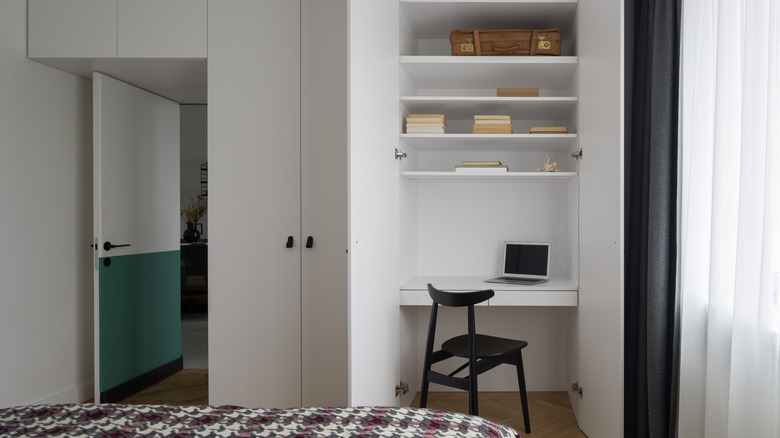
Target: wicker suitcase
[{"x": 505, "y": 42}]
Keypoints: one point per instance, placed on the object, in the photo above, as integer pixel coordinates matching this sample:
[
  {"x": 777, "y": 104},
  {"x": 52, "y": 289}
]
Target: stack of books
[
  {"x": 517, "y": 92},
  {"x": 548, "y": 130},
  {"x": 481, "y": 167},
  {"x": 426, "y": 124},
  {"x": 492, "y": 125}
]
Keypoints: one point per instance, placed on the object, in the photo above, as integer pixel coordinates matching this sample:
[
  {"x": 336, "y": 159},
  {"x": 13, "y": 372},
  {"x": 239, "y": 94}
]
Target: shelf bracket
[
  {"x": 399, "y": 155},
  {"x": 577, "y": 155}
]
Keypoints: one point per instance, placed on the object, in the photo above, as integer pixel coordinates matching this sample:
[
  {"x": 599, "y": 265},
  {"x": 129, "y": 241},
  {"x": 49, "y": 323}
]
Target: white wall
[
  {"x": 46, "y": 224},
  {"x": 193, "y": 152}
]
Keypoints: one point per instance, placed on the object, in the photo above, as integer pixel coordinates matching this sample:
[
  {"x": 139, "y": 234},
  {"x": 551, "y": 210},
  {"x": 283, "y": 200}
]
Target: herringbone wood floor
[{"x": 551, "y": 413}]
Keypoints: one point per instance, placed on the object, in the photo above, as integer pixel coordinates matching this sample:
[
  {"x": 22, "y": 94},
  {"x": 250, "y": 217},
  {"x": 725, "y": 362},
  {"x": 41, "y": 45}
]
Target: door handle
[
  {"x": 108, "y": 246},
  {"x": 309, "y": 242},
  {"x": 289, "y": 242}
]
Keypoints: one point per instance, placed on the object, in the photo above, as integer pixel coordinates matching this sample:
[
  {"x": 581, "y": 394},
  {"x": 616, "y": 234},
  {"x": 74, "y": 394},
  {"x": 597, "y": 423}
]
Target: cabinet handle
[
  {"x": 289, "y": 242},
  {"x": 309, "y": 242}
]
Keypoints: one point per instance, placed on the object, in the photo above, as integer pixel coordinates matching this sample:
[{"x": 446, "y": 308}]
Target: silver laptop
[{"x": 525, "y": 263}]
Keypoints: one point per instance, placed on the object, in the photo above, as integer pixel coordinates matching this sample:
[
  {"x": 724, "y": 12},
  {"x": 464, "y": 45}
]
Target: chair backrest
[{"x": 459, "y": 299}]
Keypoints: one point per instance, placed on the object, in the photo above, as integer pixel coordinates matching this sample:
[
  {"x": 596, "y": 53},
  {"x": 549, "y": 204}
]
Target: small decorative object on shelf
[
  {"x": 426, "y": 124},
  {"x": 492, "y": 125},
  {"x": 549, "y": 166},
  {"x": 194, "y": 211},
  {"x": 192, "y": 233}
]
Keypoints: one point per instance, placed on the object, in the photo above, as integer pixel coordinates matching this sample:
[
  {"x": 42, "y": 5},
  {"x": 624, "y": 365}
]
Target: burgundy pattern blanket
[{"x": 115, "y": 420}]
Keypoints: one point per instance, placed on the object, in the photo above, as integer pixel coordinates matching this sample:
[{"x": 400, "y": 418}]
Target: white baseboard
[{"x": 78, "y": 394}]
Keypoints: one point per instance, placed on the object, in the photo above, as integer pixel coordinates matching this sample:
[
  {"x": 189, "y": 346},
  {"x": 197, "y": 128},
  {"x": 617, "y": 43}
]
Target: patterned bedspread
[{"x": 114, "y": 420}]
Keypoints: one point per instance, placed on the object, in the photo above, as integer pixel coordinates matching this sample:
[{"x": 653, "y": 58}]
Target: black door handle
[
  {"x": 289, "y": 242},
  {"x": 108, "y": 245},
  {"x": 309, "y": 242}
]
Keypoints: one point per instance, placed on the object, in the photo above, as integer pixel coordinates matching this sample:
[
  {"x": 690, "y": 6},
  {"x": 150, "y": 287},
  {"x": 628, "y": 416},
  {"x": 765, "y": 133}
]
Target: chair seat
[{"x": 486, "y": 346}]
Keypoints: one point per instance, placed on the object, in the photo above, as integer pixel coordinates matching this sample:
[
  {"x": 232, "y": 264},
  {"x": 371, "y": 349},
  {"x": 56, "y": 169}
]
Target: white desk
[{"x": 557, "y": 292}]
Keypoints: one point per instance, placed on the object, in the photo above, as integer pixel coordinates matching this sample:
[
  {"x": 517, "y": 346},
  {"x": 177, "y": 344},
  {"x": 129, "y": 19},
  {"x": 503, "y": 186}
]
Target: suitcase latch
[
  {"x": 543, "y": 43},
  {"x": 468, "y": 46}
]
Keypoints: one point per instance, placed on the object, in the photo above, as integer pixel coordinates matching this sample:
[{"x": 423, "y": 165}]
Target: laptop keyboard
[{"x": 515, "y": 280}]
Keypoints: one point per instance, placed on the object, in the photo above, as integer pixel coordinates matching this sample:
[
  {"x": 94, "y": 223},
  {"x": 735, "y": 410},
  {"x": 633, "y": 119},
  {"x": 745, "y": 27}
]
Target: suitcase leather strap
[{"x": 478, "y": 46}]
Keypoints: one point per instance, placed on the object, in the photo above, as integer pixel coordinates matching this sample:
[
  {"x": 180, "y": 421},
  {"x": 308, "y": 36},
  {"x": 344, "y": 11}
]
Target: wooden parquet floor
[
  {"x": 551, "y": 413},
  {"x": 187, "y": 387}
]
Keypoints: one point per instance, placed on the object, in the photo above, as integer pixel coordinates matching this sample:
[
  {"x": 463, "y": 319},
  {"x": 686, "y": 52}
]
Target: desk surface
[{"x": 557, "y": 292}]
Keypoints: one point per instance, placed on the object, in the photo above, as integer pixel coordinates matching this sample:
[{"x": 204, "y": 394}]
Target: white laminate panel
[
  {"x": 162, "y": 29},
  {"x": 254, "y": 204},
  {"x": 71, "y": 29},
  {"x": 324, "y": 170}
]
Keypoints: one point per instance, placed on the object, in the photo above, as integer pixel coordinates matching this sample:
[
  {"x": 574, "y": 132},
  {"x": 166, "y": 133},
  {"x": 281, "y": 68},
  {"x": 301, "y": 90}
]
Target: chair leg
[
  {"x": 424, "y": 392},
  {"x": 523, "y": 395},
  {"x": 473, "y": 396}
]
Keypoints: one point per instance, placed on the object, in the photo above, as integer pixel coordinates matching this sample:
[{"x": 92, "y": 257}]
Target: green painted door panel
[{"x": 140, "y": 315}]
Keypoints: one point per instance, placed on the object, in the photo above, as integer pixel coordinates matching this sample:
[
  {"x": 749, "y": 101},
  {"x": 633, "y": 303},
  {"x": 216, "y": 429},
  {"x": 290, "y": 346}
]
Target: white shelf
[
  {"x": 453, "y": 72},
  {"x": 514, "y": 176},
  {"x": 490, "y": 142},
  {"x": 518, "y": 108},
  {"x": 436, "y": 18},
  {"x": 554, "y": 293}
]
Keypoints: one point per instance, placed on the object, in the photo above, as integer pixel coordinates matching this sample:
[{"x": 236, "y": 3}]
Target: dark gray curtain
[{"x": 652, "y": 318}]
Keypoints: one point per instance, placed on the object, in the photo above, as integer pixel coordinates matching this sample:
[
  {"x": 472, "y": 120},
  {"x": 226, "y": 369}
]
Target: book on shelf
[
  {"x": 548, "y": 130},
  {"x": 493, "y": 122},
  {"x": 481, "y": 170},
  {"x": 426, "y": 124},
  {"x": 425, "y": 130},
  {"x": 426, "y": 116},
  {"x": 517, "y": 92},
  {"x": 492, "y": 129},
  {"x": 491, "y": 117},
  {"x": 480, "y": 163}
]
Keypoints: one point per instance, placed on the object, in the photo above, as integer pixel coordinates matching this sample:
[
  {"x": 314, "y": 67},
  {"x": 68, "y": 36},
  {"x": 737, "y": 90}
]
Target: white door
[
  {"x": 373, "y": 198},
  {"x": 136, "y": 235},
  {"x": 324, "y": 300},
  {"x": 599, "y": 411},
  {"x": 254, "y": 115}
]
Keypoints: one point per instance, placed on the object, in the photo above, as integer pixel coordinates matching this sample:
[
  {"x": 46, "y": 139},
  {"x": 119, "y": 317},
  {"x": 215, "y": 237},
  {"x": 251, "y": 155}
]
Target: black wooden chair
[{"x": 482, "y": 351}]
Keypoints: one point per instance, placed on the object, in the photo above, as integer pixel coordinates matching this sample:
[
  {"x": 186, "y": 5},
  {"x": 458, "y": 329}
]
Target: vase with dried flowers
[{"x": 194, "y": 211}]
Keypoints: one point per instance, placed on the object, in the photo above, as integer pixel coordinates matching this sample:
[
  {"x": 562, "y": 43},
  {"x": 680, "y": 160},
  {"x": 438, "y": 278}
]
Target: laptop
[{"x": 525, "y": 263}]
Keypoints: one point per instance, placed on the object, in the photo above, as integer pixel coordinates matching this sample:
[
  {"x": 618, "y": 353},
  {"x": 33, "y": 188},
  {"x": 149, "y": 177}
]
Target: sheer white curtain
[{"x": 730, "y": 234}]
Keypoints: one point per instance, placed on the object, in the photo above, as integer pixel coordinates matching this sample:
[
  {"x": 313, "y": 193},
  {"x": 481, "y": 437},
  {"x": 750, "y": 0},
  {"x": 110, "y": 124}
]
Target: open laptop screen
[{"x": 526, "y": 259}]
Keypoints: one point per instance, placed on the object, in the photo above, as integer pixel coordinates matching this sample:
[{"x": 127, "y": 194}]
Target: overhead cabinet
[
  {"x": 117, "y": 29},
  {"x": 71, "y": 28}
]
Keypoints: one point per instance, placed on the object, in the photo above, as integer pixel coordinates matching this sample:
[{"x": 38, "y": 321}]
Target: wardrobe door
[
  {"x": 599, "y": 319},
  {"x": 324, "y": 160},
  {"x": 254, "y": 203},
  {"x": 374, "y": 120}
]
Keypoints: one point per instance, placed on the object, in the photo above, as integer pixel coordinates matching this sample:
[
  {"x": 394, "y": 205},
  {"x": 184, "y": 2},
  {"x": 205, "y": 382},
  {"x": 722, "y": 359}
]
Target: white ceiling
[{"x": 181, "y": 80}]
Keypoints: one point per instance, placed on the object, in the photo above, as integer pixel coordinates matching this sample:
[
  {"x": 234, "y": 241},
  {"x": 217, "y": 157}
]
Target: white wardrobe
[{"x": 306, "y": 112}]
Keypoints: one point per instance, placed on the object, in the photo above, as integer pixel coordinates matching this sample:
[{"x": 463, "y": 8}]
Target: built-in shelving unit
[{"x": 458, "y": 221}]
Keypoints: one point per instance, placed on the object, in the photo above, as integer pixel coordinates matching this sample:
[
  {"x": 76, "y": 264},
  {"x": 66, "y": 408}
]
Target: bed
[{"x": 118, "y": 420}]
